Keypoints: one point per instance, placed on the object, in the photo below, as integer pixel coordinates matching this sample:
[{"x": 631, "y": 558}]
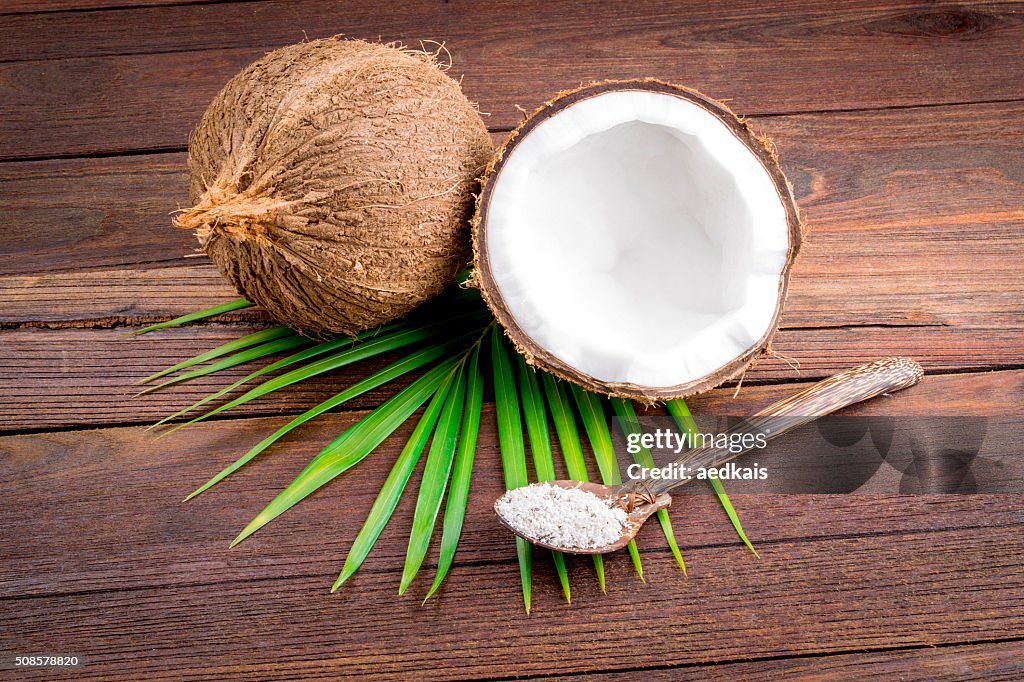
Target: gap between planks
[
  {"x": 83, "y": 6},
  {"x": 747, "y": 668}
]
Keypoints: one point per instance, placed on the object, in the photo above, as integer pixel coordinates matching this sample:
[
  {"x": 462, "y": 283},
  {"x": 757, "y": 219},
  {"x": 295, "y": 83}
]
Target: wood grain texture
[
  {"x": 901, "y": 143},
  {"x": 39, "y": 6},
  {"x": 951, "y": 587},
  {"x": 229, "y": 624},
  {"x": 773, "y": 607},
  {"x": 890, "y": 210},
  {"x": 836, "y": 573},
  {"x": 995, "y": 662},
  {"x": 70, "y": 377},
  {"x": 102, "y": 89},
  {"x": 662, "y": 27},
  {"x": 105, "y": 297},
  {"x": 61, "y": 378},
  {"x": 75, "y": 214}
]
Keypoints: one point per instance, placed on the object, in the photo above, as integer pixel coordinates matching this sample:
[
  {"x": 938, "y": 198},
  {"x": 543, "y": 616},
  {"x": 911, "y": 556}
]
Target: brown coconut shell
[
  {"x": 332, "y": 183},
  {"x": 537, "y": 355}
]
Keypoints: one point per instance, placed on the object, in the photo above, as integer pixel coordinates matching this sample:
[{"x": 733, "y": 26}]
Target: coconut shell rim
[{"x": 538, "y": 356}]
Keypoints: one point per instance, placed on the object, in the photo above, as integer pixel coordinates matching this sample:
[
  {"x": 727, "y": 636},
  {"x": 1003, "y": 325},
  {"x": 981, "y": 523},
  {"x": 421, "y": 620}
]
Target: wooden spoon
[{"x": 642, "y": 498}]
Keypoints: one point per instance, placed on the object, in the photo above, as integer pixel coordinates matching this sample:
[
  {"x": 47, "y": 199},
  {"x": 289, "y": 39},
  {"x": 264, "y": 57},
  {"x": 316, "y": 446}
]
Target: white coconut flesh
[{"x": 634, "y": 237}]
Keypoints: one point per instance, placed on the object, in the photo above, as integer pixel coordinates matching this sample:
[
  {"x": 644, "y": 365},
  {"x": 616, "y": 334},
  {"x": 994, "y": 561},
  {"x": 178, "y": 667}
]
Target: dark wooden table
[{"x": 900, "y": 126}]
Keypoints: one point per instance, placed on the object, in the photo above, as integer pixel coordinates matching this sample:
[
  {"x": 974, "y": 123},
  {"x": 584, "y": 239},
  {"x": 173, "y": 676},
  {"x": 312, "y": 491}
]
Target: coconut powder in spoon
[{"x": 570, "y": 518}]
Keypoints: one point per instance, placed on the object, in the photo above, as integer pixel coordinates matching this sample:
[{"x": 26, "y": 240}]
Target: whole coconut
[{"x": 332, "y": 182}]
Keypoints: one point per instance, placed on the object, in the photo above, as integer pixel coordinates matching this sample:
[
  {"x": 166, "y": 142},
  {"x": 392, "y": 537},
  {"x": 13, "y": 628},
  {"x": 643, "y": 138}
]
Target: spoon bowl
[{"x": 640, "y": 512}]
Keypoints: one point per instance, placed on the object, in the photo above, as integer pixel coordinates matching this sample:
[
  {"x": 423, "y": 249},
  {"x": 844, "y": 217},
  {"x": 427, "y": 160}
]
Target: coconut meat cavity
[{"x": 634, "y": 237}]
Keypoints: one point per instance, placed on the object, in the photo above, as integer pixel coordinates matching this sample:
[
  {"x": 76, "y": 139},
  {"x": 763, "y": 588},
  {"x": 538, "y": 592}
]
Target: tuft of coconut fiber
[{"x": 332, "y": 182}]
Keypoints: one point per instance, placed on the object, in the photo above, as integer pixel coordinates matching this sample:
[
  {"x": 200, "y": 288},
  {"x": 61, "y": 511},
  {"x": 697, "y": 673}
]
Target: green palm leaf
[
  {"x": 246, "y": 341},
  {"x": 305, "y": 354},
  {"x": 540, "y": 446},
  {"x": 624, "y": 411},
  {"x": 510, "y": 439},
  {"x": 592, "y": 412},
  {"x": 387, "y": 499},
  {"x": 681, "y": 413},
  {"x": 458, "y": 493},
  {"x": 435, "y": 479},
  {"x": 383, "y": 343},
  {"x": 248, "y": 355},
  {"x": 569, "y": 439},
  {"x": 731, "y": 513},
  {"x": 355, "y": 444},
  {"x": 392, "y": 371},
  {"x": 237, "y": 304}
]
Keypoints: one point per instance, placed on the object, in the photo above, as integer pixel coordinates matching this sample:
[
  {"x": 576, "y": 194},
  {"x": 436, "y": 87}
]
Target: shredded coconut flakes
[{"x": 571, "y": 518}]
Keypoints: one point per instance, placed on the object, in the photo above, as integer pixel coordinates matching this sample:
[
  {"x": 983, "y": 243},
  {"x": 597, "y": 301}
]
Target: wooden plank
[
  {"x": 37, "y": 6},
  {"x": 109, "y": 104},
  {"x": 63, "y": 378},
  {"x": 187, "y": 27},
  {"x": 802, "y": 598},
  {"x": 78, "y": 93},
  {"x": 910, "y": 216},
  {"x": 92, "y": 213},
  {"x": 899, "y": 227},
  {"x": 113, "y": 297},
  {"x": 101, "y": 559},
  {"x": 70, "y": 377},
  {"x": 995, "y": 662},
  {"x": 117, "y": 492}
]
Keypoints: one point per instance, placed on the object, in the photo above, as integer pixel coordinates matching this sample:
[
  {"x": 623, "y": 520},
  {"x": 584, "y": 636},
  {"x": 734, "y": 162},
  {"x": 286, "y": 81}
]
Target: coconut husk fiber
[{"x": 332, "y": 182}]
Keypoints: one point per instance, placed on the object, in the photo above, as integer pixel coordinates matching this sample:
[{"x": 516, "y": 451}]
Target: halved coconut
[{"x": 636, "y": 238}]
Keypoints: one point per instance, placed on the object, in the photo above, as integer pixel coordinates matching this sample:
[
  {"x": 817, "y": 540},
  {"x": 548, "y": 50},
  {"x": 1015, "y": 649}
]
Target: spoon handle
[{"x": 826, "y": 396}]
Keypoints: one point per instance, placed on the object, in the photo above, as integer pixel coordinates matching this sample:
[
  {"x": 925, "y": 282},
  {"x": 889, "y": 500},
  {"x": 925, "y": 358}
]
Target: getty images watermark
[
  {"x": 676, "y": 442},
  {"x": 831, "y": 455}
]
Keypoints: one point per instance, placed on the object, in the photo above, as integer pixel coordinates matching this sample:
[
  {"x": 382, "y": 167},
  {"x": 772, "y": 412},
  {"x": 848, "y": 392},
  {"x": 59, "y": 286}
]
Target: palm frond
[
  {"x": 248, "y": 355},
  {"x": 623, "y": 409},
  {"x": 369, "y": 348},
  {"x": 436, "y": 472},
  {"x": 392, "y": 371},
  {"x": 510, "y": 440},
  {"x": 592, "y": 414},
  {"x": 354, "y": 444},
  {"x": 391, "y": 491},
  {"x": 458, "y": 493},
  {"x": 451, "y": 386},
  {"x": 680, "y": 411},
  {"x": 540, "y": 447},
  {"x": 303, "y": 355},
  {"x": 572, "y": 449},
  {"x": 253, "y": 339}
]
